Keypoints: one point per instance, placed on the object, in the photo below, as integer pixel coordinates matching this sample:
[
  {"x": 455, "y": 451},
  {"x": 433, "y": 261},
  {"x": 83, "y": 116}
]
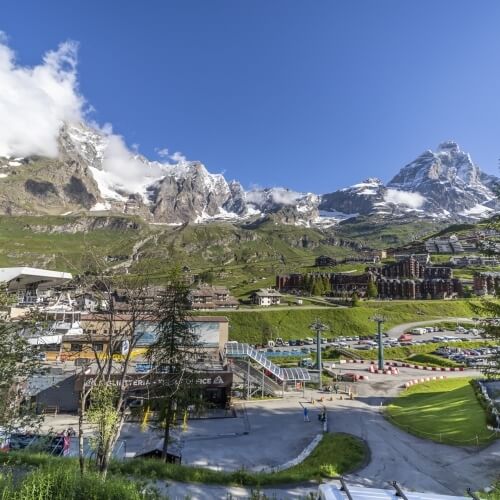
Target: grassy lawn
[
  {"x": 445, "y": 411},
  {"x": 336, "y": 454},
  {"x": 494, "y": 494},
  {"x": 293, "y": 323}
]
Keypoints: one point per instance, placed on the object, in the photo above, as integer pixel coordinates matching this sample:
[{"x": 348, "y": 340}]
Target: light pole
[
  {"x": 318, "y": 327},
  {"x": 380, "y": 320}
]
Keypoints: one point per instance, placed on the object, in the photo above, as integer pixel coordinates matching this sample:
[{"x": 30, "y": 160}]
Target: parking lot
[{"x": 413, "y": 334}]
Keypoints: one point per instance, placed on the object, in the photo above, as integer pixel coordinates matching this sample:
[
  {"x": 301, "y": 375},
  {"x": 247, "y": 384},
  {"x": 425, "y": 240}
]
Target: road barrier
[
  {"x": 435, "y": 368},
  {"x": 391, "y": 370},
  {"x": 422, "y": 380}
]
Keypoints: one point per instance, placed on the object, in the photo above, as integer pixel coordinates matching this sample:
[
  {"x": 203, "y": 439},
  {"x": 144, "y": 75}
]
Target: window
[
  {"x": 75, "y": 347},
  {"x": 98, "y": 346}
]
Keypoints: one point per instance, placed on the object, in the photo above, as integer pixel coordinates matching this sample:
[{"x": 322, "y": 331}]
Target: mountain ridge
[{"x": 95, "y": 173}]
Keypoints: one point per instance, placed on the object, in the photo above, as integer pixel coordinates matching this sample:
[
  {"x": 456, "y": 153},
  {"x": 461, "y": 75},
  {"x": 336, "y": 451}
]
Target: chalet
[
  {"x": 266, "y": 297},
  {"x": 212, "y": 297}
]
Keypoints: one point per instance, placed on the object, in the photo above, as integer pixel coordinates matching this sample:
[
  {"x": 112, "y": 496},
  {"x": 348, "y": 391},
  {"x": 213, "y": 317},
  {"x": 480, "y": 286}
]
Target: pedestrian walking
[{"x": 306, "y": 414}]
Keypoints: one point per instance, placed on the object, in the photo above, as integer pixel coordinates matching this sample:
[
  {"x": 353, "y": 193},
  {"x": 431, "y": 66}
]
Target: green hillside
[
  {"x": 291, "y": 323},
  {"x": 241, "y": 257}
]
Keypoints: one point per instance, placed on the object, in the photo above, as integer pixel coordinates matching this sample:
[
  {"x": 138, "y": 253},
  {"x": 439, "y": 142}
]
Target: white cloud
[
  {"x": 412, "y": 200},
  {"x": 35, "y": 101},
  {"x": 280, "y": 196},
  {"x": 162, "y": 153},
  {"x": 125, "y": 171},
  {"x": 177, "y": 157}
]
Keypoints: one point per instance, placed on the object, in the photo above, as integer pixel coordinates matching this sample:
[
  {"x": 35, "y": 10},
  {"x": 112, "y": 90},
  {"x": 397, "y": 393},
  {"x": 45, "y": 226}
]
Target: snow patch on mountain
[
  {"x": 369, "y": 187},
  {"x": 442, "y": 184}
]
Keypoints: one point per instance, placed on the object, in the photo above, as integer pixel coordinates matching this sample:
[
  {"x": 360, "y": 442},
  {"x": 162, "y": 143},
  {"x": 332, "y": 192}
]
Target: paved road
[
  {"x": 396, "y": 331},
  {"x": 415, "y": 463}
]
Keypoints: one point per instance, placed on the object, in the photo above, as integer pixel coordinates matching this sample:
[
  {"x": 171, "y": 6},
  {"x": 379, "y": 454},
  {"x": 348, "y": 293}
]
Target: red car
[{"x": 406, "y": 337}]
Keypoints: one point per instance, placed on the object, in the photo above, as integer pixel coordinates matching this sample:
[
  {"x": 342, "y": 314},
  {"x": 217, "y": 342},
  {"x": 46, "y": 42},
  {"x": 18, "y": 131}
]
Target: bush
[
  {"x": 64, "y": 483},
  {"x": 488, "y": 409}
]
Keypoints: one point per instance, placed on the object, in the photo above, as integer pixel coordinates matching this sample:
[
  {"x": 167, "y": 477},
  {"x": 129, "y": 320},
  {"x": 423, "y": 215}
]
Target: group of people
[
  {"x": 334, "y": 387},
  {"x": 321, "y": 415}
]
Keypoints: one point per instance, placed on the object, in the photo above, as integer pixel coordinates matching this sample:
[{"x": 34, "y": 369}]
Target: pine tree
[{"x": 371, "y": 290}]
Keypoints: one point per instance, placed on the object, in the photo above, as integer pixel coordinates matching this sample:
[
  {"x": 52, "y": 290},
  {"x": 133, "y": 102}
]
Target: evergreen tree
[
  {"x": 326, "y": 285},
  {"x": 317, "y": 288},
  {"x": 354, "y": 299},
  {"x": 371, "y": 290},
  {"x": 174, "y": 355}
]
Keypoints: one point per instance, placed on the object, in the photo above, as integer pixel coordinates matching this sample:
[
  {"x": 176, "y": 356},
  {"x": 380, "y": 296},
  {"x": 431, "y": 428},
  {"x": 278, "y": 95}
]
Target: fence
[{"x": 442, "y": 437}]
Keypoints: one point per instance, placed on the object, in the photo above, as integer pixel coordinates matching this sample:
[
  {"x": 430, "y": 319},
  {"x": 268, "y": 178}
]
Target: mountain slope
[
  {"x": 444, "y": 184},
  {"x": 449, "y": 181},
  {"x": 96, "y": 172}
]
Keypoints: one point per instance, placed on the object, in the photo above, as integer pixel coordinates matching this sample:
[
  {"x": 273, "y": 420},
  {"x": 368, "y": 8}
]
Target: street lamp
[
  {"x": 380, "y": 320},
  {"x": 318, "y": 327}
]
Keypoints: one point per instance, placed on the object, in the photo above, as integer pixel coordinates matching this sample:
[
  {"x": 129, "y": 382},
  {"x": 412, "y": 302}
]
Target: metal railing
[{"x": 236, "y": 350}]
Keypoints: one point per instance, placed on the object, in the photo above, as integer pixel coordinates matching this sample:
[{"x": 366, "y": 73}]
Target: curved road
[
  {"x": 396, "y": 331},
  {"x": 417, "y": 464}
]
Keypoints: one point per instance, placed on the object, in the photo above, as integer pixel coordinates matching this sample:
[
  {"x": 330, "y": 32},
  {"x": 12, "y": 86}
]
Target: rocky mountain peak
[
  {"x": 442, "y": 183},
  {"x": 449, "y": 147},
  {"x": 95, "y": 171},
  {"x": 83, "y": 144}
]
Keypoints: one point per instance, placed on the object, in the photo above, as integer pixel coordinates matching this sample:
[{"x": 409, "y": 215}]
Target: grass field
[
  {"x": 293, "y": 323},
  {"x": 336, "y": 454},
  {"x": 445, "y": 411}
]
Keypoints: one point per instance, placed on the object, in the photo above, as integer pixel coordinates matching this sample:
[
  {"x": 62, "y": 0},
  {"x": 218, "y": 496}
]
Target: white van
[{"x": 419, "y": 331}]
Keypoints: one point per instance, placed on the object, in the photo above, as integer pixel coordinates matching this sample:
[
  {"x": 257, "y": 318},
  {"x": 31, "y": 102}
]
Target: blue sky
[{"x": 312, "y": 95}]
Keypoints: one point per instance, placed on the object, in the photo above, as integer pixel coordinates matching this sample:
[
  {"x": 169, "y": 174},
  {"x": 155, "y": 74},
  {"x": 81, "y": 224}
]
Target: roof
[
  {"x": 267, "y": 293},
  {"x": 331, "y": 491},
  {"x": 20, "y": 277},
  {"x": 126, "y": 317}
]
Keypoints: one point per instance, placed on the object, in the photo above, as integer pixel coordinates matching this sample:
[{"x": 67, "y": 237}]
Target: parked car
[
  {"x": 348, "y": 377},
  {"x": 406, "y": 337},
  {"x": 306, "y": 363}
]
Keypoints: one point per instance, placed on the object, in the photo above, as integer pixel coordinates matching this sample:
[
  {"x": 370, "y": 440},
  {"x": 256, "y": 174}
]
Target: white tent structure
[{"x": 31, "y": 284}]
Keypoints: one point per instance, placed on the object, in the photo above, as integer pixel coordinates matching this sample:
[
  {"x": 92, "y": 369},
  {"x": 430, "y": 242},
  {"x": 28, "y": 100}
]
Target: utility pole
[
  {"x": 380, "y": 320},
  {"x": 318, "y": 327}
]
